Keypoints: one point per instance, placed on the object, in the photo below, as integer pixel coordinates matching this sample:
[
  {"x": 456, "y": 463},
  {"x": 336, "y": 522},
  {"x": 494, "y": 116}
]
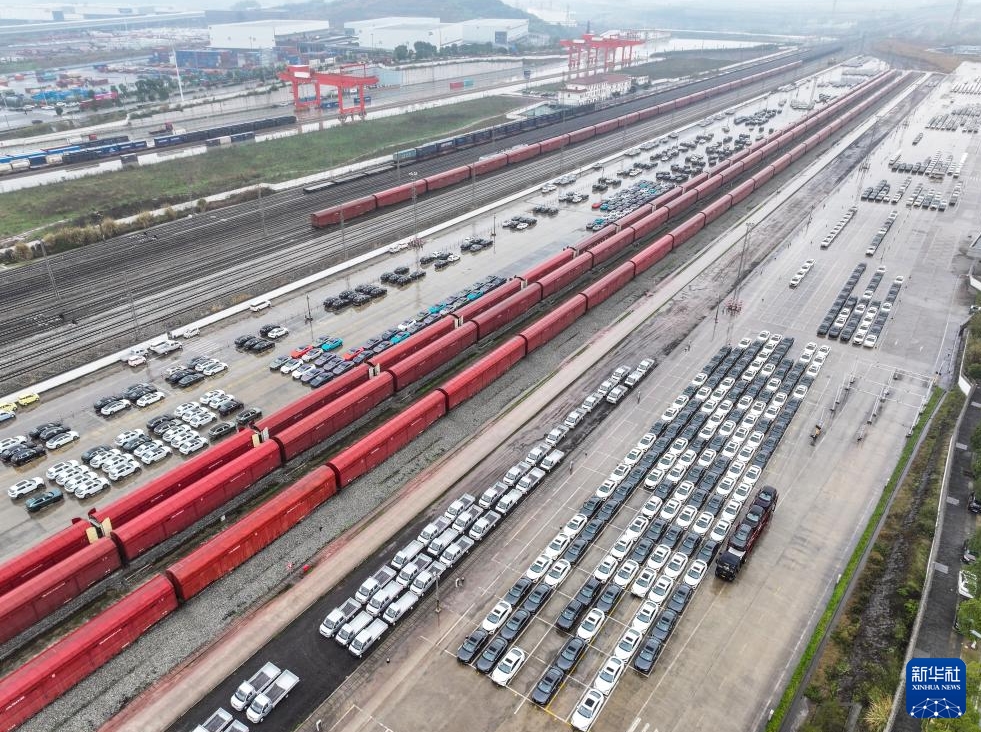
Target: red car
[
  {"x": 301, "y": 351},
  {"x": 353, "y": 352}
]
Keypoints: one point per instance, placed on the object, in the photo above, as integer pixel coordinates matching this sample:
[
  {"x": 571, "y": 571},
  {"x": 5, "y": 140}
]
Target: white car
[
  {"x": 606, "y": 568},
  {"x": 645, "y": 442},
  {"x": 628, "y": 645},
  {"x": 189, "y": 448},
  {"x": 556, "y": 547},
  {"x": 587, "y": 710},
  {"x": 575, "y": 525},
  {"x": 58, "y": 468},
  {"x": 637, "y": 527},
  {"x": 633, "y": 457},
  {"x": 23, "y": 487},
  {"x": 90, "y": 488},
  {"x": 147, "y": 399},
  {"x": 644, "y": 618},
  {"x": 652, "y": 507},
  {"x": 290, "y": 366},
  {"x": 619, "y": 473},
  {"x": 725, "y": 486},
  {"x": 187, "y": 407},
  {"x": 113, "y": 407},
  {"x": 642, "y": 585},
  {"x": 498, "y": 615},
  {"x": 799, "y": 393},
  {"x": 661, "y": 590},
  {"x": 538, "y": 568},
  {"x": 686, "y": 517},
  {"x": 508, "y": 666},
  {"x": 670, "y": 509},
  {"x": 703, "y": 523},
  {"x": 731, "y": 510},
  {"x": 557, "y": 572},
  {"x": 752, "y": 474},
  {"x": 11, "y": 441},
  {"x": 122, "y": 471},
  {"x": 658, "y": 557},
  {"x": 208, "y": 396},
  {"x": 606, "y": 489},
  {"x": 608, "y": 676},
  {"x": 695, "y": 573},
  {"x": 155, "y": 456},
  {"x": 625, "y": 575},
  {"x": 65, "y": 438},
  {"x": 199, "y": 419},
  {"x": 675, "y": 566},
  {"x": 591, "y": 624},
  {"x": 742, "y": 492},
  {"x": 720, "y": 530},
  {"x": 621, "y": 547},
  {"x": 278, "y": 332}
]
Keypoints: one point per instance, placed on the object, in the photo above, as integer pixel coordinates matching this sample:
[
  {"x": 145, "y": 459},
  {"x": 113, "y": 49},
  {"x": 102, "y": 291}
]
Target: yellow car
[
  {"x": 26, "y": 400},
  {"x": 11, "y": 407}
]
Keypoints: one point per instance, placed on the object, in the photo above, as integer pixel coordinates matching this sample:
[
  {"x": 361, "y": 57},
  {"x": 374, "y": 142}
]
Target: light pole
[
  {"x": 415, "y": 208},
  {"x": 51, "y": 277}
]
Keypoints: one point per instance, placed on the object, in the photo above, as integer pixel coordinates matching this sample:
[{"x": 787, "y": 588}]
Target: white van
[
  {"x": 370, "y": 586},
  {"x": 407, "y": 554},
  {"x": 410, "y": 570},
  {"x": 400, "y": 607},
  {"x": 338, "y": 616},
  {"x": 552, "y": 460},
  {"x": 257, "y": 306},
  {"x": 352, "y": 627},
  {"x": 383, "y": 598},
  {"x": 367, "y": 637},
  {"x": 438, "y": 545},
  {"x": 434, "y": 529},
  {"x": 508, "y": 501}
]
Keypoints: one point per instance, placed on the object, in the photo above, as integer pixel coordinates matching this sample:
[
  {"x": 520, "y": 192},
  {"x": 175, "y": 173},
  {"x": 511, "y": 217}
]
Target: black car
[
  {"x": 89, "y": 454},
  {"x": 26, "y": 455},
  {"x": 171, "y": 379},
  {"x": 642, "y": 549},
  {"x": 607, "y": 510},
  {"x": 48, "y": 498},
  {"x": 154, "y": 421},
  {"x": 8, "y": 452},
  {"x": 472, "y": 645},
  {"x": 610, "y": 598},
  {"x": 134, "y": 442},
  {"x": 249, "y": 415},
  {"x": 277, "y": 362},
  {"x": 103, "y": 401},
  {"x": 48, "y": 432},
  {"x": 491, "y": 655},
  {"x": 589, "y": 590},
  {"x": 689, "y": 544},
  {"x": 190, "y": 380},
  {"x": 591, "y": 506},
  {"x": 714, "y": 504},
  {"x": 708, "y": 550},
  {"x": 570, "y": 615},
  {"x": 320, "y": 380},
  {"x": 672, "y": 536},
  {"x": 160, "y": 427},
  {"x": 537, "y": 597},
  {"x": 220, "y": 430},
  {"x": 228, "y": 406},
  {"x": 515, "y": 624},
  {"x": 592, "y": 529},
  {"x": 570, "y": 653},
  {"x": 664, "y": 625},
  {"x": 647, "y": 655},
  {"x": 766, "y": 498},
  {"x": 261, "y": 345},
  {"x": 575, "y": 551},
  {"x": 519, "y": 591},
  {"x": 547, "y": 685},
  {"x": 680, "y": 598},
  {"x": 36, "y": 432},
  {"x": 240, "y": 342},
  {"x": 656, "y": 530}
]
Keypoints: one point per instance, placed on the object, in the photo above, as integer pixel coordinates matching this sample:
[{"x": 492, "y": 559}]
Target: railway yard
[{"x": 676, "y": 343}]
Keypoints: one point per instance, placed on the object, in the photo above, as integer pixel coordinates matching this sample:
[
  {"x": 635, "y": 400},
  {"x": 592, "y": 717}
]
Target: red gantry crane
[
  {"x": 299, "y": 75},
  {"x": 585, "y": 54}
]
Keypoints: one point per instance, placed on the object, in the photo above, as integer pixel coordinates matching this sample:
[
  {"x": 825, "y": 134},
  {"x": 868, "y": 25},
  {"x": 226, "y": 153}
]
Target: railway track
[{"x": 99, "y": 277}]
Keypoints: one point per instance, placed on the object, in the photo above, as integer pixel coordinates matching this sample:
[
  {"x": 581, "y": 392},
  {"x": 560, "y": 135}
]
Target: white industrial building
[
  {"x": 589, "y": 89},
  {"x": 389, "y": 32},
  {"x": 262, "y": 34}
]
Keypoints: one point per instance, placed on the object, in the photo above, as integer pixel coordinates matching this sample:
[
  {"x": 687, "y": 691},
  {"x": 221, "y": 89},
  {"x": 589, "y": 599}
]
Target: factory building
[
  {"x": 596, "y": 88},
  {"x": 390, "y": 32}
]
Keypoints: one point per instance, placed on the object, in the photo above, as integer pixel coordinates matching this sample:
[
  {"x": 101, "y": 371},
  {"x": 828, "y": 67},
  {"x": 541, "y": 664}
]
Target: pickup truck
[
  {"x": 257, "y": 683},
  {"x": 218, "y": 721},
  {"x": 267, "y": 701},
  {"x": 165, "y": 347}
]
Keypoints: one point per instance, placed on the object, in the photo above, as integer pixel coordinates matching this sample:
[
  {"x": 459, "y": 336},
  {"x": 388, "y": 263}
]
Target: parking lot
[
  {"x": 249, "y": 380},
  {"x": 734, "y": 647}
]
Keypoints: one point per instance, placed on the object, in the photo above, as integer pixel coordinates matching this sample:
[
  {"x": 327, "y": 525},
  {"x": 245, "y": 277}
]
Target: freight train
[
  {"x": 41, "y": 580},
  {"x": 349, "y": 210},
  {"x": 88, "y": 150}
]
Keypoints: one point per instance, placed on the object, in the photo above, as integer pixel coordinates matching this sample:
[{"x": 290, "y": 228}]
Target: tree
[
  {"x": 401, "y": 52},
  {"x": 424, "y": 50}
]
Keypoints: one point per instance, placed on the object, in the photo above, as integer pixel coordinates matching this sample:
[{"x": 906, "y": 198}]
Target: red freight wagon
[
  {"x": 179, "y": 512},
  {"x": 609, "y": 284},
  {"x": 566, "y": 274},
  {"x": 43, "y": 555},
  {"x": 413, "y": 343},
  {"x": 544, "y": 329},
  {"x": 418, "y": 365},
  {"x": 379, "y": 445},
  {"x": 487, "y": 301},
  {"x": 482, "y": 374},
  {"x": 310, "y": 403},
  {"x": 252, "y": 533},
  {"x": 28, "y": 689},
  {"x": 44, "y": 593},
  {"x": 327, "y": 421},
  {"x": 508, "y": 310}
]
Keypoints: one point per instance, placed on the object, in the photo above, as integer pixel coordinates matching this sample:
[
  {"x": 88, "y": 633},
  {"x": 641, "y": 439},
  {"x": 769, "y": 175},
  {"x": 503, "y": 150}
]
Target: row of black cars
[
  {"x": 360, "y": 295},
  {"x": 402, "y": 276}
]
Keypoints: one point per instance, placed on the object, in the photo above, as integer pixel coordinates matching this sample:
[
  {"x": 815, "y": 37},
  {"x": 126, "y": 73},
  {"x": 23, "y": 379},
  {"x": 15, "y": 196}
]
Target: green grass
[
  {"x": 188, "y": 179},
  {"x": 793, "y": 686}
]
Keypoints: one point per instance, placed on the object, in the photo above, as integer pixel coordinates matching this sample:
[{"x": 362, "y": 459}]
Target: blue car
[
  {"x": 331, "y": 344},
  {"x": 399, "y": 337}
]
